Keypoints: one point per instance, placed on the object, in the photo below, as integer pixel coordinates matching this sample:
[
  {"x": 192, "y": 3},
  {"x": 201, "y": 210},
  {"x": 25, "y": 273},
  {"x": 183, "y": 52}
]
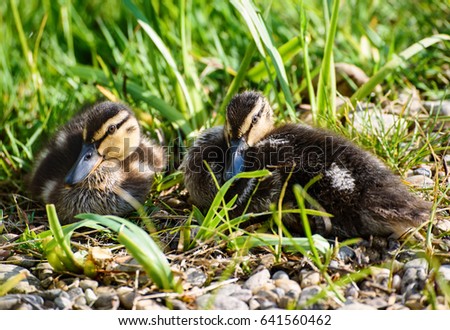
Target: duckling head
[
  {"x": 249, "y": 119},
  {"x": 111, "y": 134}
]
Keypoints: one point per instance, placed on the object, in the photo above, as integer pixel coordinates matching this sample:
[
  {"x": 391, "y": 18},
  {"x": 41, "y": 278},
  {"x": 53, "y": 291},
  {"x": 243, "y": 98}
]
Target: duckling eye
[
  {"x": 112, "y": 129},
  {"x": 255, "y": 119}
]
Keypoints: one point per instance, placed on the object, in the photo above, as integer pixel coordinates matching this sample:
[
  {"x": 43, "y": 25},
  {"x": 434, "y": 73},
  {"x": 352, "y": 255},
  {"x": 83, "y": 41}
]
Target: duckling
[
  {"x": 98, "y": 162},
  {"x": 363, "y": 195}
]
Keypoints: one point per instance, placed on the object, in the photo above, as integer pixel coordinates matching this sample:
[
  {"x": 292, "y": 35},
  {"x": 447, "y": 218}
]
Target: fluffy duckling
[
  {"x": 98, "y": 162},
  {"x": 364, "y": 197}
]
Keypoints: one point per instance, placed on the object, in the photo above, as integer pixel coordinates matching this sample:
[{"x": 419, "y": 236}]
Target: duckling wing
[{"x": 210, "y": 147}]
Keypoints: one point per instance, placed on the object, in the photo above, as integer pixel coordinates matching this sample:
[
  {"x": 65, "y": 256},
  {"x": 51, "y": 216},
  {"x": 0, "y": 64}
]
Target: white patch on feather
[
  {"x": 341, "y": 178},
  {"x": 48, "y": 188}
]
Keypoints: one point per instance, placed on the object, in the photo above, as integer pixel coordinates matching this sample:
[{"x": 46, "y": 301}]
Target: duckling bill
[
  {"x": 363, "y": 195},
  {"x": 99, "y": 162}
]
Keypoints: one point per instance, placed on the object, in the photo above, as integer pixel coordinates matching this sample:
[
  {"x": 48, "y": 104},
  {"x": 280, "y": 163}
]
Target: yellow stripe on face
[
  {"x": 247, "y": 124},
  {"x": 112, "y": 121}
]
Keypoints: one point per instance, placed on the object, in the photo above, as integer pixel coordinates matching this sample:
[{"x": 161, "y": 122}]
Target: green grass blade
[
  {"x": 287, "y": 51},
  {"x": 394, "y": 64},
  {"x": 265, "y": 43},
  {"x": 164, "y": 50},
  {"x": 326, "y": 88}
]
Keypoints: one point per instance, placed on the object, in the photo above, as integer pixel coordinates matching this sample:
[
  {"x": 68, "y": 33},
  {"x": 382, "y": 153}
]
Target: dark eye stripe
[{"x": 98, "y": 142}]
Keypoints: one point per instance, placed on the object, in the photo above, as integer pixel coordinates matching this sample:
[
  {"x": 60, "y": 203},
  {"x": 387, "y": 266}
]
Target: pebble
[
  {"x": 356, "y": 306},
  {"x": 447, "y": 159},
  {"x": 63, "y": 303},
  {"x": 289, "y": 286},
  {"x": 420, "y": 181},
  {"x": 352, "y": 292},
  {"x": 422, "y": 171},
  {"x": 28, "y": 285},
  {"x": 8, "y": 302},
  {"x": 378, "y": 303},
  {"x": 309, "y": 278},
  {"x": 195, "y": 277},
  {"x": 149, "y": 304},
  {"x": 178, "y": 305},
  {"x": 228, "y": 289},
  {"x": 88, "y": 284},
  {"x": 396, "y": 282},
  {"x": 346, "y": 254},
  {"x": 243, "y": 294},
  {"x": 51, "y": 294},
  {"x": 220, "y": 302},
  {"x": 280, "y": 275},
  {"x": 307, "y": 294},
  {"x": 442, "y": 106},
  {"x": 22, "y": 261},
  {"x": 90, "y": 296},
  {"x": 107, "y": 299},
  {"x": 444, "y": 271},
  {"x": 258, "y": 280},
  {"x": 44, "y": 270},
  {"x": 126, "y": 296}
]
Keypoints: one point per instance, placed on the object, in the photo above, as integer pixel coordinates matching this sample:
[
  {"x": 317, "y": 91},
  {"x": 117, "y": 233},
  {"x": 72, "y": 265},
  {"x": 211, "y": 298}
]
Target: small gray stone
[
  {"x": 195, "y": 277},
  {"x": 228, "y": 289},
  {"x": 413, "y": 302},
  {"x": 81, "y": 307},
  {"x": 397, "y": 307},
  {"x": 346, "y": 253},
  {"x": 377, "y": 302},
  {"x": 44, "y": 270},
  {"x": 220, "y": 302},
  {"x": 88, "y": 284},
  {"x": 422, "y": 171},
  {"x": 417, "y": 263},
  {"x": 356, "y": 306},
  {"x": 447, "y": 159},
  {"x": 126, "y": 296},
  {"x": 90, "y": 296},
  {"x": 254, "y": 304},
  {"x": 243, "y": 294},
  {"x": 107, "y": 301},
  {"x": 306, "y": 295},
  {"x": 267, "y": 295},
  {"x": 279, "y": 292},
  {"x": 352, "y": 292},
  {"x": 149, "y": 304},
  {"x": 63, "y": 303},
  {"x": 420, "y": 181},
  {"x": 280, "y": 275},
  {"x": 23, "y": 261},
  {"x": 267, "y": 304},
  {"x": 442, "y": 107},
  {"x": 34, "y": 300},
  {"x": 310, "y": 278},
  {"x": 288, "y": 286},
  {"x": 178, "y": 305},
  {"x": 8, "y": 302},
  {"x": 28, "y": 285},
  {"x": 396, "y": 282},
  {"x": 75, "y": 293},
  {"x": 50, "y": 294},
  {"x": 444, "y": 271},
  {"x": 258, "y": 280}
]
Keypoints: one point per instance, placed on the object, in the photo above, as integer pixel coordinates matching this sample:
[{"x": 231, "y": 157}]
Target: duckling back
[{"x": 112, "y": 186}]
